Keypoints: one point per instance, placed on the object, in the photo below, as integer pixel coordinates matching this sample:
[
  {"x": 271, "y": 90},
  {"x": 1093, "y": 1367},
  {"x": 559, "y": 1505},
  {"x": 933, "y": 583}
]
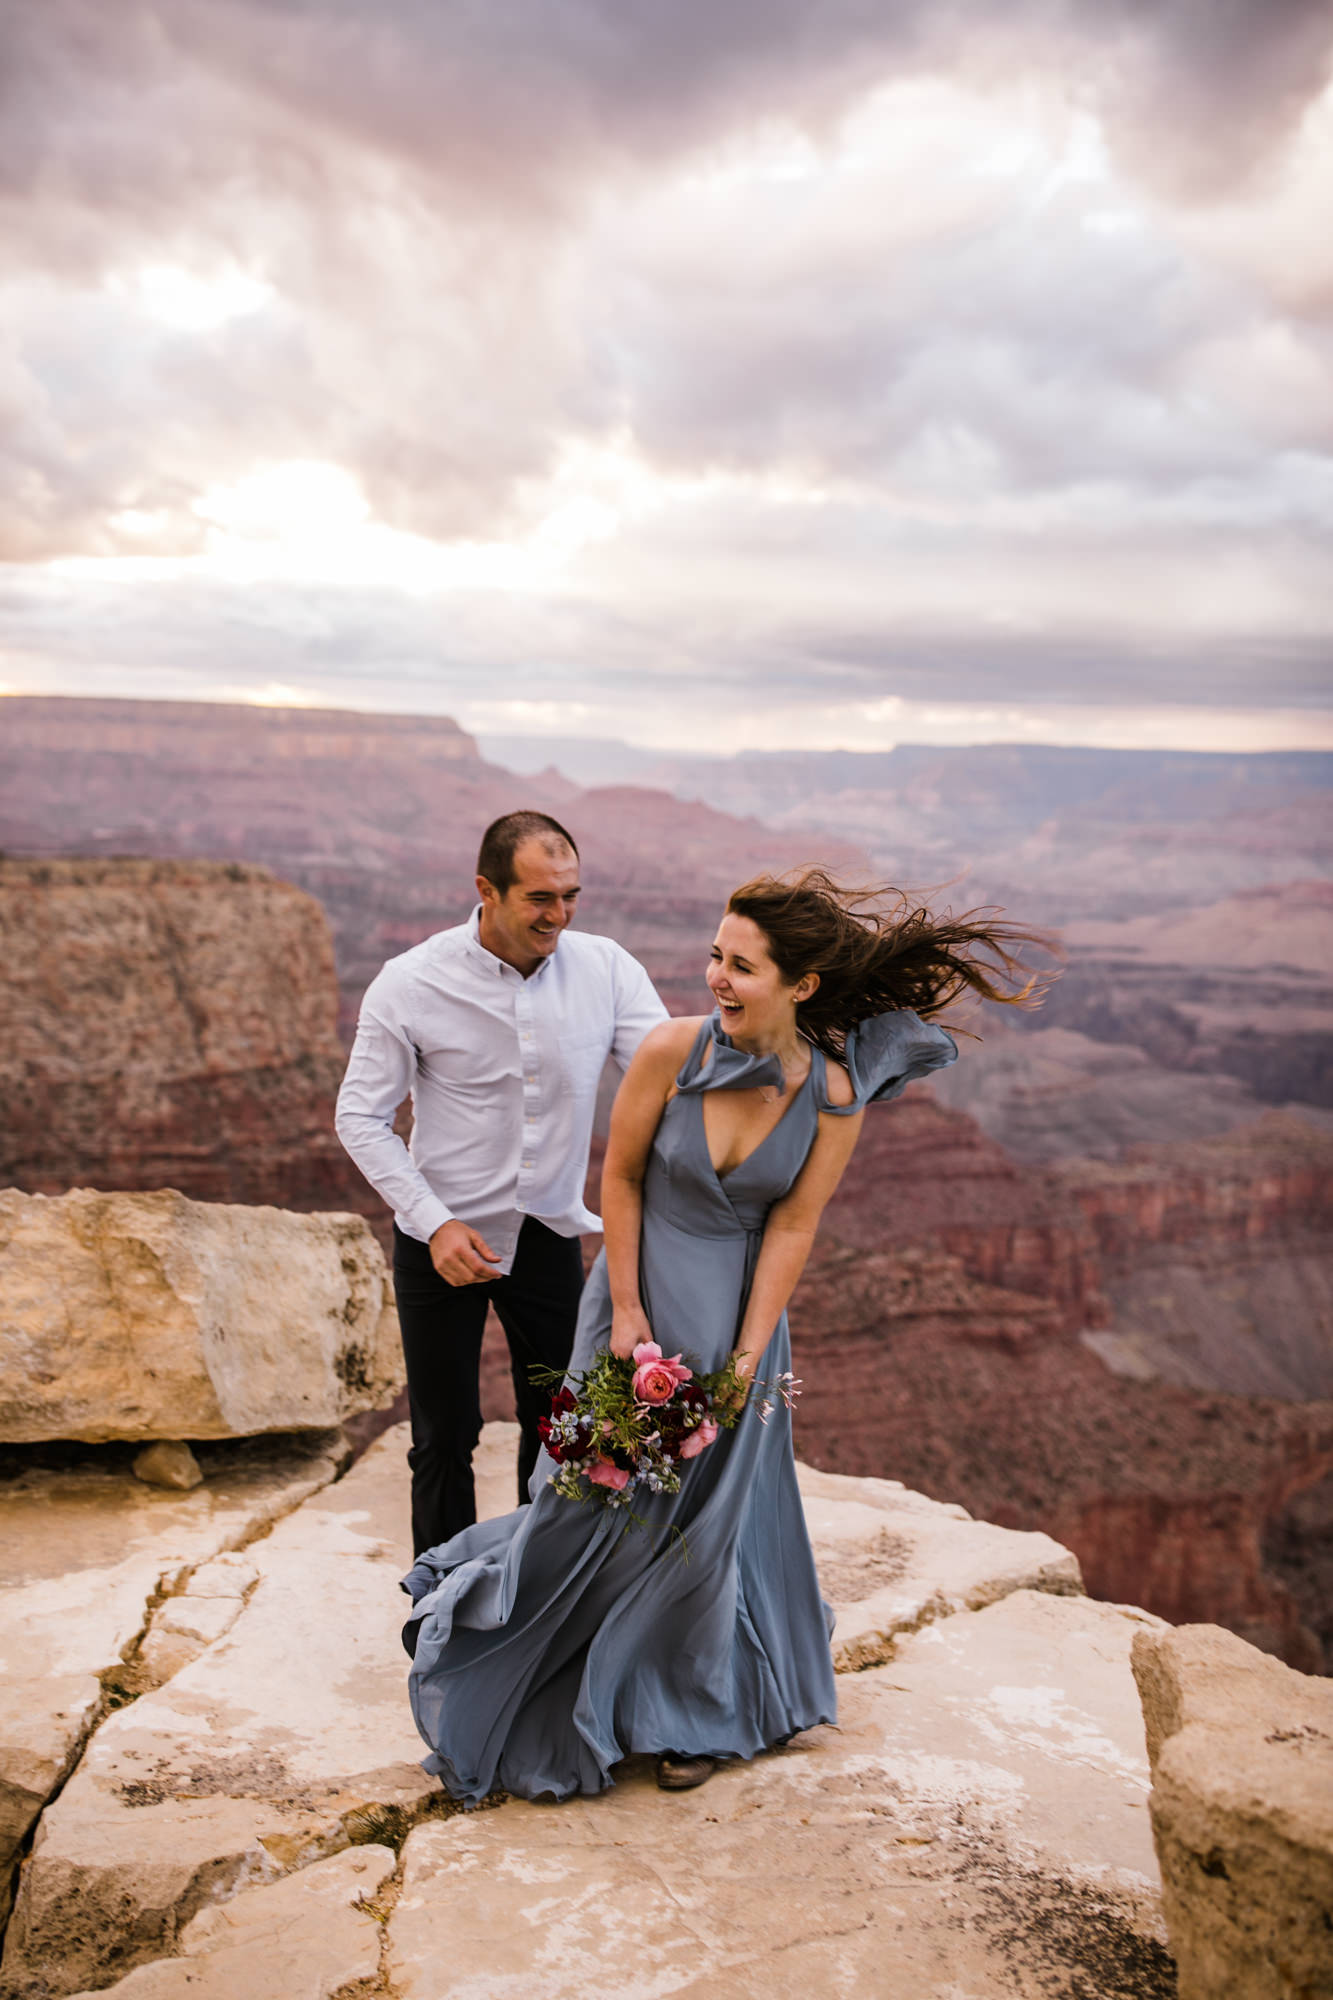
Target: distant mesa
[{"x": 215, "y": 735}]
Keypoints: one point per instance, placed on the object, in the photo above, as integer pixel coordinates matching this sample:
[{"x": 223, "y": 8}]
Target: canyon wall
[
  {"x": 168, "y": 1024},
  {"x": 1217, "y": 1257},
  {"x": 215, "y": 736},
  {"x": 1064, "y": 834},
  {"x": 1187, "y": 1503},
  {"x": 1268, "y": 1030},
  {"x": 928, "y": 1177},
  {"x": 936, "y": 1330},
  {"x": 1237, "y": 1188}
]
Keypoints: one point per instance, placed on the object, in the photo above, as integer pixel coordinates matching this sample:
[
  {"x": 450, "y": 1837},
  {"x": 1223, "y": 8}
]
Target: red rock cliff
[
  {"x": 934, "y": 1328},
  {"x": 1169, "y": 1497},
  {"x": 1264, "y": 1181},
  {"x": 168, "y": 1024},
  {"x": 927, "y": 1177}
]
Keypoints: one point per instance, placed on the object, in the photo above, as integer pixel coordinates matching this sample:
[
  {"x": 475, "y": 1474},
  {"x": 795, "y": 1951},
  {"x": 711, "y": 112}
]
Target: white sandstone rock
[
  {"x": 303, "y": 1938},
  {"x": 150, "y": 1316},
  {"x": 293, "y": 1735},
  {"x": 890, "y": 1561},
  {"x": 273, "y": 1749},
  {"x": 1242, "y": 1810},
  {"x": 976, "y": 1826},
  {"x": 168, "y": 1463},
  {"x": 83, "y": 1553}
]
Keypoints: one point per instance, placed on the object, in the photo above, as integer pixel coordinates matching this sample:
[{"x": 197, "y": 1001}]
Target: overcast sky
[{"x": 768, "y": 372}]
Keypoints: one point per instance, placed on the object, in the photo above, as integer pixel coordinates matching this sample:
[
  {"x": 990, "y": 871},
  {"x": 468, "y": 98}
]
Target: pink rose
[
  {"x": 603, "y": 1473},
  {"x": 695, "y": 1441},
  {"x": 653, "y": 1383},
  {"x": 656, "y": 1378}
]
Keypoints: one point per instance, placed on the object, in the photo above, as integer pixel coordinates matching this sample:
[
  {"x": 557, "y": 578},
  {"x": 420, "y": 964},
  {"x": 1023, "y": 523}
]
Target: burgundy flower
[{"x": 556, "y": 1449}]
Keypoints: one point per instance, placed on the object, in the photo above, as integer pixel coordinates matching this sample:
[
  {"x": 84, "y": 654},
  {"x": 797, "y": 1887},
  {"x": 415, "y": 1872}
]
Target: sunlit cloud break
[{"x": 845, "y": 377}]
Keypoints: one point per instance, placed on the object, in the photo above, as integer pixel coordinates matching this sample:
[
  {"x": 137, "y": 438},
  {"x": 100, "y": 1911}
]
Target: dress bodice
[{"x": 883, "y": 1055}]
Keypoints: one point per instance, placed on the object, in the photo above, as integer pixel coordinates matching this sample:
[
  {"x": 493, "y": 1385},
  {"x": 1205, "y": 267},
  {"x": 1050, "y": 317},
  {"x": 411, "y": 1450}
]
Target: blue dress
[{"x": 551, "y": 1643}]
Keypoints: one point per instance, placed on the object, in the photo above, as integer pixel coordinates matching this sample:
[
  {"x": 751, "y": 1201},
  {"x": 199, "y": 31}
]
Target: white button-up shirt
[{"x": 503, "y": 1075}]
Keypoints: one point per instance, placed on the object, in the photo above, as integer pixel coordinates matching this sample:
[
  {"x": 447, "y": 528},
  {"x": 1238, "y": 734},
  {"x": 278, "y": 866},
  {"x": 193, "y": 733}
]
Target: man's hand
[{"x": 461, "y": 1256}]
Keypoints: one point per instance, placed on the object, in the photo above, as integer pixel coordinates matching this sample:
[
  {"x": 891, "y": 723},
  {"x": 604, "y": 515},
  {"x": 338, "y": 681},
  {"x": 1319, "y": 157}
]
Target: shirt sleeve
[
  {"x": 638, "y": 1007},
  {"x": 379, "y": 1076}
]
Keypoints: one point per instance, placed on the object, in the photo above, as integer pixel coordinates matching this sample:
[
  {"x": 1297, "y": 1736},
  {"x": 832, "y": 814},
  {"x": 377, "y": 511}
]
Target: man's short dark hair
[{"x": 503, "y": 838}]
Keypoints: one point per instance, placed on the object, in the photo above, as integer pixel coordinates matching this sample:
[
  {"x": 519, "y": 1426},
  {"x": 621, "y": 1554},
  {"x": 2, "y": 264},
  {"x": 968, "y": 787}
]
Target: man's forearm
[
  {"x": 378, "y": 1078},
  {"x": 386, "y": 1163}
]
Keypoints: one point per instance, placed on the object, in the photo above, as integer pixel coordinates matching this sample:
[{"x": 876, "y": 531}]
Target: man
[{"x": 499, "y": 1029}]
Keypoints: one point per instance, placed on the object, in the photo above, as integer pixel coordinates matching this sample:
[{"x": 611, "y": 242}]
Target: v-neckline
[{"x": 730, "y": 1174}]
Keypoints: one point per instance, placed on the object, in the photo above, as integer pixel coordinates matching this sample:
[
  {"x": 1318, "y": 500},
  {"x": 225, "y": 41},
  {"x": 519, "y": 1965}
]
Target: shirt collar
[
  {"x": 477, "y": 950},
  {"x": 487, "y": 958}
]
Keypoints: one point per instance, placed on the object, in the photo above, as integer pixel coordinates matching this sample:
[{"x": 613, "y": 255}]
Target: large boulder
[
  {"x": 1242, "y": 1811},
  {"x": 150, "y": 1316}
]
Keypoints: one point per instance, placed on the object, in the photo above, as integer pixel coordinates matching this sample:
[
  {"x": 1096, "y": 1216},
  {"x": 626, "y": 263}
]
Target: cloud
[
  {"x": 1201, "y": 95},
  {"x": 884, "y": 348},
  {"x": 501, "y": 98}
]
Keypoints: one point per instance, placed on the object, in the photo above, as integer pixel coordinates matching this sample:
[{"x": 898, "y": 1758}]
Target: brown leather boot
[{"x": 678, "y": 1773}]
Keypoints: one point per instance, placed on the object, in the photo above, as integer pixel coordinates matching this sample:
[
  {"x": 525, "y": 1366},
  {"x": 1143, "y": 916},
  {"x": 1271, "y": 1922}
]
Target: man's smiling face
[{"x": 522, "y": 925}]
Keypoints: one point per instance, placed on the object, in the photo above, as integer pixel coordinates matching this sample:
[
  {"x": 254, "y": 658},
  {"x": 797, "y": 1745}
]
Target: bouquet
[{"x": 627, "y": 1425}]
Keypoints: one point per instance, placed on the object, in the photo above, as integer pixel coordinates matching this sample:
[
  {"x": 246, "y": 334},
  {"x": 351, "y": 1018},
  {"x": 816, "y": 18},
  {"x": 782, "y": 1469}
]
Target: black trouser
[{"x": 537, "y": 1305}]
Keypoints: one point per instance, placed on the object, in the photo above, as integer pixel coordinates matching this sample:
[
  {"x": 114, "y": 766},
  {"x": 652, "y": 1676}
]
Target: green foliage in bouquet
[{"x": 625, "y": 1426}]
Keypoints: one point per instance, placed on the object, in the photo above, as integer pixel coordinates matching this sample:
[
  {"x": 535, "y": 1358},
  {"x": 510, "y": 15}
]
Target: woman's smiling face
[{"x": 754, "y": 998}]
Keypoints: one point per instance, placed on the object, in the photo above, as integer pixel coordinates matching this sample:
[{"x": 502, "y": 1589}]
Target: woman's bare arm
[
  {"x": 635, "y": 1116},
  {"x": 789, "y": 1233}
]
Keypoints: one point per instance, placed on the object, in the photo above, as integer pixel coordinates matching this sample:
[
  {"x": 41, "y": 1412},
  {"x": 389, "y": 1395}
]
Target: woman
[{"x": 551, "y": 1643}]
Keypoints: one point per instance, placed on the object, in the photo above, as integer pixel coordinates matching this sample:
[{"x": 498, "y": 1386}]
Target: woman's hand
[
  {"x": 629, "y": 1327},
  {"x": 735, "y": 1393}
]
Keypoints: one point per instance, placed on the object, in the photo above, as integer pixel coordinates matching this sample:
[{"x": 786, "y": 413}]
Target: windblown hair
[
  {"x": 876, "y": 951},
  {"x": 503, "y": 838}
]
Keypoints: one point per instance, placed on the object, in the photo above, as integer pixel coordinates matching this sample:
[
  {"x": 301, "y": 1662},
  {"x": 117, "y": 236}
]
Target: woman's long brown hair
[{"x": 876, "y": 950}]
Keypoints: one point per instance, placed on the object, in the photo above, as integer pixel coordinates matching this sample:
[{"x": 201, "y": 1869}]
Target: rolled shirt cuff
[{"x": 426, "y": 1216}]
